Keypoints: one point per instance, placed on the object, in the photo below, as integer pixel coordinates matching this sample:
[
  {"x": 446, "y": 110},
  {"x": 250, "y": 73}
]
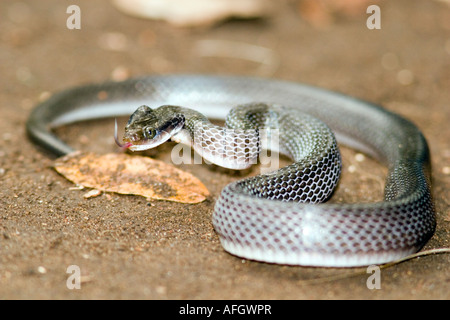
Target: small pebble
[
  {"x": 42, "y": 270},
  {"x": 360, "y": 157},
  {"x": 92, "y": 194}
]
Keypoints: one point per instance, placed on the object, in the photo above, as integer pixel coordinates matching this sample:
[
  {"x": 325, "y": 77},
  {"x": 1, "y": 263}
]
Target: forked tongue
[{"x": 122, "y": 146}]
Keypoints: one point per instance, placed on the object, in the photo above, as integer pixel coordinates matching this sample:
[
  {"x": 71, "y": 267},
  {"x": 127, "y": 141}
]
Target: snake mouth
[
  {"x": 143, "y": 144},
  {"x": 150, "y": 143}
]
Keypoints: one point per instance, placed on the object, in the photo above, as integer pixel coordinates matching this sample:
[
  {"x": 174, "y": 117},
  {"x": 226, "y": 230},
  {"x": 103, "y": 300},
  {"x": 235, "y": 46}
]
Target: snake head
[{"x": 147, "y": 129}]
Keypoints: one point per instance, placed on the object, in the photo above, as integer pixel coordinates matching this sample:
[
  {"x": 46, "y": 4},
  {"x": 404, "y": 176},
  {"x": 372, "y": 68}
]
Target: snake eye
[{"x": 149, "y": 133}]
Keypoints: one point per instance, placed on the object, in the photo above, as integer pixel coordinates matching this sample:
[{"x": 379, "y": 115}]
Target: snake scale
[{"x": 274, "y": 217}]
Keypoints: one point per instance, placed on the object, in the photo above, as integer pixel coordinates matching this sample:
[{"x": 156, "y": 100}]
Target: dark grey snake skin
[{"x": 249, "y": 219}]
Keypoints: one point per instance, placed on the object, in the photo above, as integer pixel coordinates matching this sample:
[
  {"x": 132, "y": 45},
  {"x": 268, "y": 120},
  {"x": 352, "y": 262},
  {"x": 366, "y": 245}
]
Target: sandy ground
[{"x": 127, "y": 247}]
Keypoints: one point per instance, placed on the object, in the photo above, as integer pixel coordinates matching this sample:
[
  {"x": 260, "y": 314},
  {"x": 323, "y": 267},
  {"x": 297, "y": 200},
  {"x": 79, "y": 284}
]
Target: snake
[{"x": 280, "y": 216}]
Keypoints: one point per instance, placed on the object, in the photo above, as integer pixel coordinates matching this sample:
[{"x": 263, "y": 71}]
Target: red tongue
[{"x": 123, "y": 146}]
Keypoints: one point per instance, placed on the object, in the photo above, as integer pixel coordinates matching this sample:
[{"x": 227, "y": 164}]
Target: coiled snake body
[{"x": 264, "y": 217}]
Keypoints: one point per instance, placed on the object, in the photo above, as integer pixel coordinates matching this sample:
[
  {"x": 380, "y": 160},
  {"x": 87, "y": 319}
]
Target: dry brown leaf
[{"x": 125, "y": 174}]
